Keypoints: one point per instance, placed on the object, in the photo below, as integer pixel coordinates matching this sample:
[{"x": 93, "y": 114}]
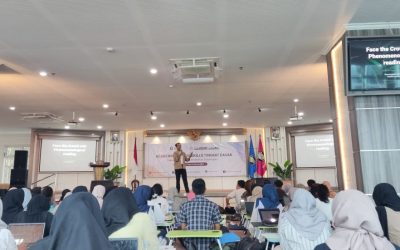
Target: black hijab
[
  {"x": 78, "y": 225},
  {"x": 12, "y": 205},
  {"x": 79, "y": 189},
  {"x": 118, "y": 208},
  {"x": 37, "y": 212},
  {"x": 385, "y": 195}
]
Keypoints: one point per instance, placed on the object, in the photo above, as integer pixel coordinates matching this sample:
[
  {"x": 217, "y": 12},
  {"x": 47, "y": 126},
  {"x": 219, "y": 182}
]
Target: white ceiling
[{"x": 279, "y": 43}]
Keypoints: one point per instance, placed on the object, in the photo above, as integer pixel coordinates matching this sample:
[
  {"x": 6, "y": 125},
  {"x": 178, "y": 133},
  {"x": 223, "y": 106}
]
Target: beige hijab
[
  {"x": 98, "y": 192},
  {"x": 356, "y": 223},
  {"x": 255, "y": 194}
]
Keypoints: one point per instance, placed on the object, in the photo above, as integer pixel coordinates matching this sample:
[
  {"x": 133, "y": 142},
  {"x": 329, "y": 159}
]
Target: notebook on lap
[
  {"x": 27, "y": 233},
  {"x": 124, "y": 243}
]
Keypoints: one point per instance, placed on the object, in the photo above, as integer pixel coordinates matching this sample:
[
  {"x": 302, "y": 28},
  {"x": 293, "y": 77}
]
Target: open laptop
[
  {"x": 249, "y": 207},
  {"x": 124, "y": 243},
  {"x": 27, "y": 233},
  {"x": 269, "y": 220}
]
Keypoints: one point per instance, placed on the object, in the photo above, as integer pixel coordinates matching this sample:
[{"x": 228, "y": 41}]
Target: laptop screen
[
  {"x": 269, "y": 216},
  {"x": 124, "y": 243},
  {"x": 27, "y": 233}
]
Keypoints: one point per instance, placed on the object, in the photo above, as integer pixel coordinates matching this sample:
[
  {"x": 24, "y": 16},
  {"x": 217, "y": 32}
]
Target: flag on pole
[
  {"x": 135, "y": 152},
  {"x": 252, "y": 159},
  {"x": 261, "y": 166}
]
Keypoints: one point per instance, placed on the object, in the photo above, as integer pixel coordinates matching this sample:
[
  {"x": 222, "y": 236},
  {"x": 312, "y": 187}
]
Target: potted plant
[
  {"x": 114, "y": 174},
  {"x": 284, "y": 172}
]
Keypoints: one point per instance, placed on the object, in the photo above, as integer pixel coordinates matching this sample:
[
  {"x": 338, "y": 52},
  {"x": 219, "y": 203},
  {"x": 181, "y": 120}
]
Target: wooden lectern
[{"x": 98, "y": 169}]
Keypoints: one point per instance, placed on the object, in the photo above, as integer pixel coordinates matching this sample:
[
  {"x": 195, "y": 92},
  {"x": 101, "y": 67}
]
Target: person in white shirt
[
  {"x": 157, "y": 191},
  {"x": 235, "y": 197},
  {"x": 303, "y": 226},
  {"x": 7, "y": 241}
]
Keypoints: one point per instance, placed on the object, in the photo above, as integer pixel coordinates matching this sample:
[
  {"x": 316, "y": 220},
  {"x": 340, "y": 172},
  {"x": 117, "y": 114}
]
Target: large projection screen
[
  {"x": 60, "y": 155},
  {"x": 315, "y": 150}
]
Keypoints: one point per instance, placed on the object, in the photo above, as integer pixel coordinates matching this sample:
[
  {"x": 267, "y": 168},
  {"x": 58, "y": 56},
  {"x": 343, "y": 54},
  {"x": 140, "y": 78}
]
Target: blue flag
[{"x": 252, "y": 160}]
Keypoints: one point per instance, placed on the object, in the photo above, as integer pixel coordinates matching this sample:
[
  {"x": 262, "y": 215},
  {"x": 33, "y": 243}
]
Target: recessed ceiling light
[
  {"x": 66, "y": 127},
  {"x": 226, "y": 115},
  {"x": 105, "y": 106},
  {"x": 296, "y": 100},
  {"x": 153, "y": 71},
  {"x": 171, "y": 86},
  {"x": 330, "y": 120},
  {"x": 12, "y": 108},
  {"x": 199, "y": 104},
  {"x": 289, "y": 122},
  {"x": 162, "y": 125},
  {"x": 110, "y": 49},
  {"x": 81, "y": 119},
  {"x": 301, "y": 113},
  {"x": 99, "y": 127},
  {"x": 152, "y": 116},
  {"x": 224, "y": 124},
  {"x": 43, "y": 73}
]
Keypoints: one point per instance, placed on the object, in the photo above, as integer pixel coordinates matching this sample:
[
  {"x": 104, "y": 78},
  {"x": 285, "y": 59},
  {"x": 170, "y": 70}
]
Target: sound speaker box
[
  {"x": 18, "y": 178},
  {"x": 20, "y": 159}
]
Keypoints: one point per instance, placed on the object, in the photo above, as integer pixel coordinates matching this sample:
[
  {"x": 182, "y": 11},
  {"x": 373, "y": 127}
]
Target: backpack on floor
[{"x": 249, "y": 243}]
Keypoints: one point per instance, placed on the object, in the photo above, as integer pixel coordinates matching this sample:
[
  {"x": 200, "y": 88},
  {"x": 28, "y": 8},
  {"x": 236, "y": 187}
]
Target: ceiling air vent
[
  {"x": 196, "y": 70},
  {"x": 4, "y": 69},
  {"x": 41, "y": 117}
]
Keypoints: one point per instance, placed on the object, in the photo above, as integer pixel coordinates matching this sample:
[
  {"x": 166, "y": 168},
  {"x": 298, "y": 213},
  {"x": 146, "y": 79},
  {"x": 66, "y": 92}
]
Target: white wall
[{"x": 276, "y": 149}]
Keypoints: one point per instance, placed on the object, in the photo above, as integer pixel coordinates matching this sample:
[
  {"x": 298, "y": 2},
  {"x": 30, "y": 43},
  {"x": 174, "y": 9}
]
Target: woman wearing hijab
[
  {"x": 256, "y": 193},
  {"x": 388, "y": 207},
  {"x": 270, "y": 199},
  {"x": 303, "y": 226},
  {"x": 78, "y": 189},
  {"x": 142, "y": 195},
  {"x": 12, "y": 205},
  {"x": 27, "y": 198},
  {"x": 247, "y": 186},
  {"x": 123, "y": 219},
  {"x": 356, "y": 224},
  {"x": 98, "y": 192},
  {"x": 37, "y": 212},
  {"x": 78, "y": 225},
  {"x": 7, "y": 241}
]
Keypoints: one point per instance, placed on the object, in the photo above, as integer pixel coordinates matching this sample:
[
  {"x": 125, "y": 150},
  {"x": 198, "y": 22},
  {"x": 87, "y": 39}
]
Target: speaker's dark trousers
[{"x": 178, "y": 173}]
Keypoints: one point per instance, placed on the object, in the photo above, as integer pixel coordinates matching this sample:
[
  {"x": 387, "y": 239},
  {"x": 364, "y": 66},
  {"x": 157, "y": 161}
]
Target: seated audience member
[
  {"x": 388, "y": 207},
  {"x": 38, "y": 212},
  {"x": 134, "y": 184},
  {"x": 123, "y": 219},
  {"x": 356, "y": 224},
  {"x": 12, "y": 205},
  {"x": 247, "y": 186},
  {"x": 157, "y": 191},
  {"x": 256, "y": 192},
  {"x": 269, "y": 199},
  {"x": 303, "y": 226},
  {"x": 27, "y": 198},
  {"x": 47, "y": 191},
  {"x": 78, "y": 225},
  {"x": 237, "y": 196},
  {"x": 36, "y": 191},
  {"x": 324, "y": 203},
  {"x": 142, "y": 195},
  {"x": 79, "y": 189},
  {"x": 281, "y": 193},
  {"x": 332, "y": 193},
  {"x": 310, "y": 182},
  {"x": 7, "y": 240},
  {"x": 98, "y": 193},
  {"x": 63, "y": 194},
  {"x": 175, "y": 200},
  {"x": 199, "y": 214}
]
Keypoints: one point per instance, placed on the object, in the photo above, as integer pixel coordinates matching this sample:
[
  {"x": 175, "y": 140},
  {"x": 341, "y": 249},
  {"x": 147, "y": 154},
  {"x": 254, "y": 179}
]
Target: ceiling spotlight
[
  {"x": 289, "y": 122},
  {"x": 225, "y": 115},
  {"x": 43, "y": 73},
  {"x": 171, "y": 86},
  {"x": 152, "y": 116},
  {"x": 296, "y": 100},
  {"x": 330, "y": 120},
  {"x": 162, "y": 125},
  {"x": 199, "y": 104},
  {"x": 81, "y": 119},
  {"x": 259, "y": 109},
  {"x": 153, "y": 71},
  {"x": 300, "y": 114},
  {"x": 105, "y": 106},
  {"x": 99, "y": 127},
  {"x": 224, "y": 124},
  {"x": 12, "y": 108},
  {"x": 66, "y": 127},
  {"x": 110, "y": 49},
  {"x": 187, "y": 112}
]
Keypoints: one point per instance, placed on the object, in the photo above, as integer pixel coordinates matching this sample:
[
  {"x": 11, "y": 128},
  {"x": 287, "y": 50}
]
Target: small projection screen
[{"x": 315, "y": 150}]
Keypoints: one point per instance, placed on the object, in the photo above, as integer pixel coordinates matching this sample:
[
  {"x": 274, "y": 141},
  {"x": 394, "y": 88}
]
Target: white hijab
[
  {"x": 27, "y": 198},
  {"x": 304, "y": 216},
  {"x": 3, "y": 225},
  {"x": 98, "y": 192},
  {"x": 356, "y": 223}
]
